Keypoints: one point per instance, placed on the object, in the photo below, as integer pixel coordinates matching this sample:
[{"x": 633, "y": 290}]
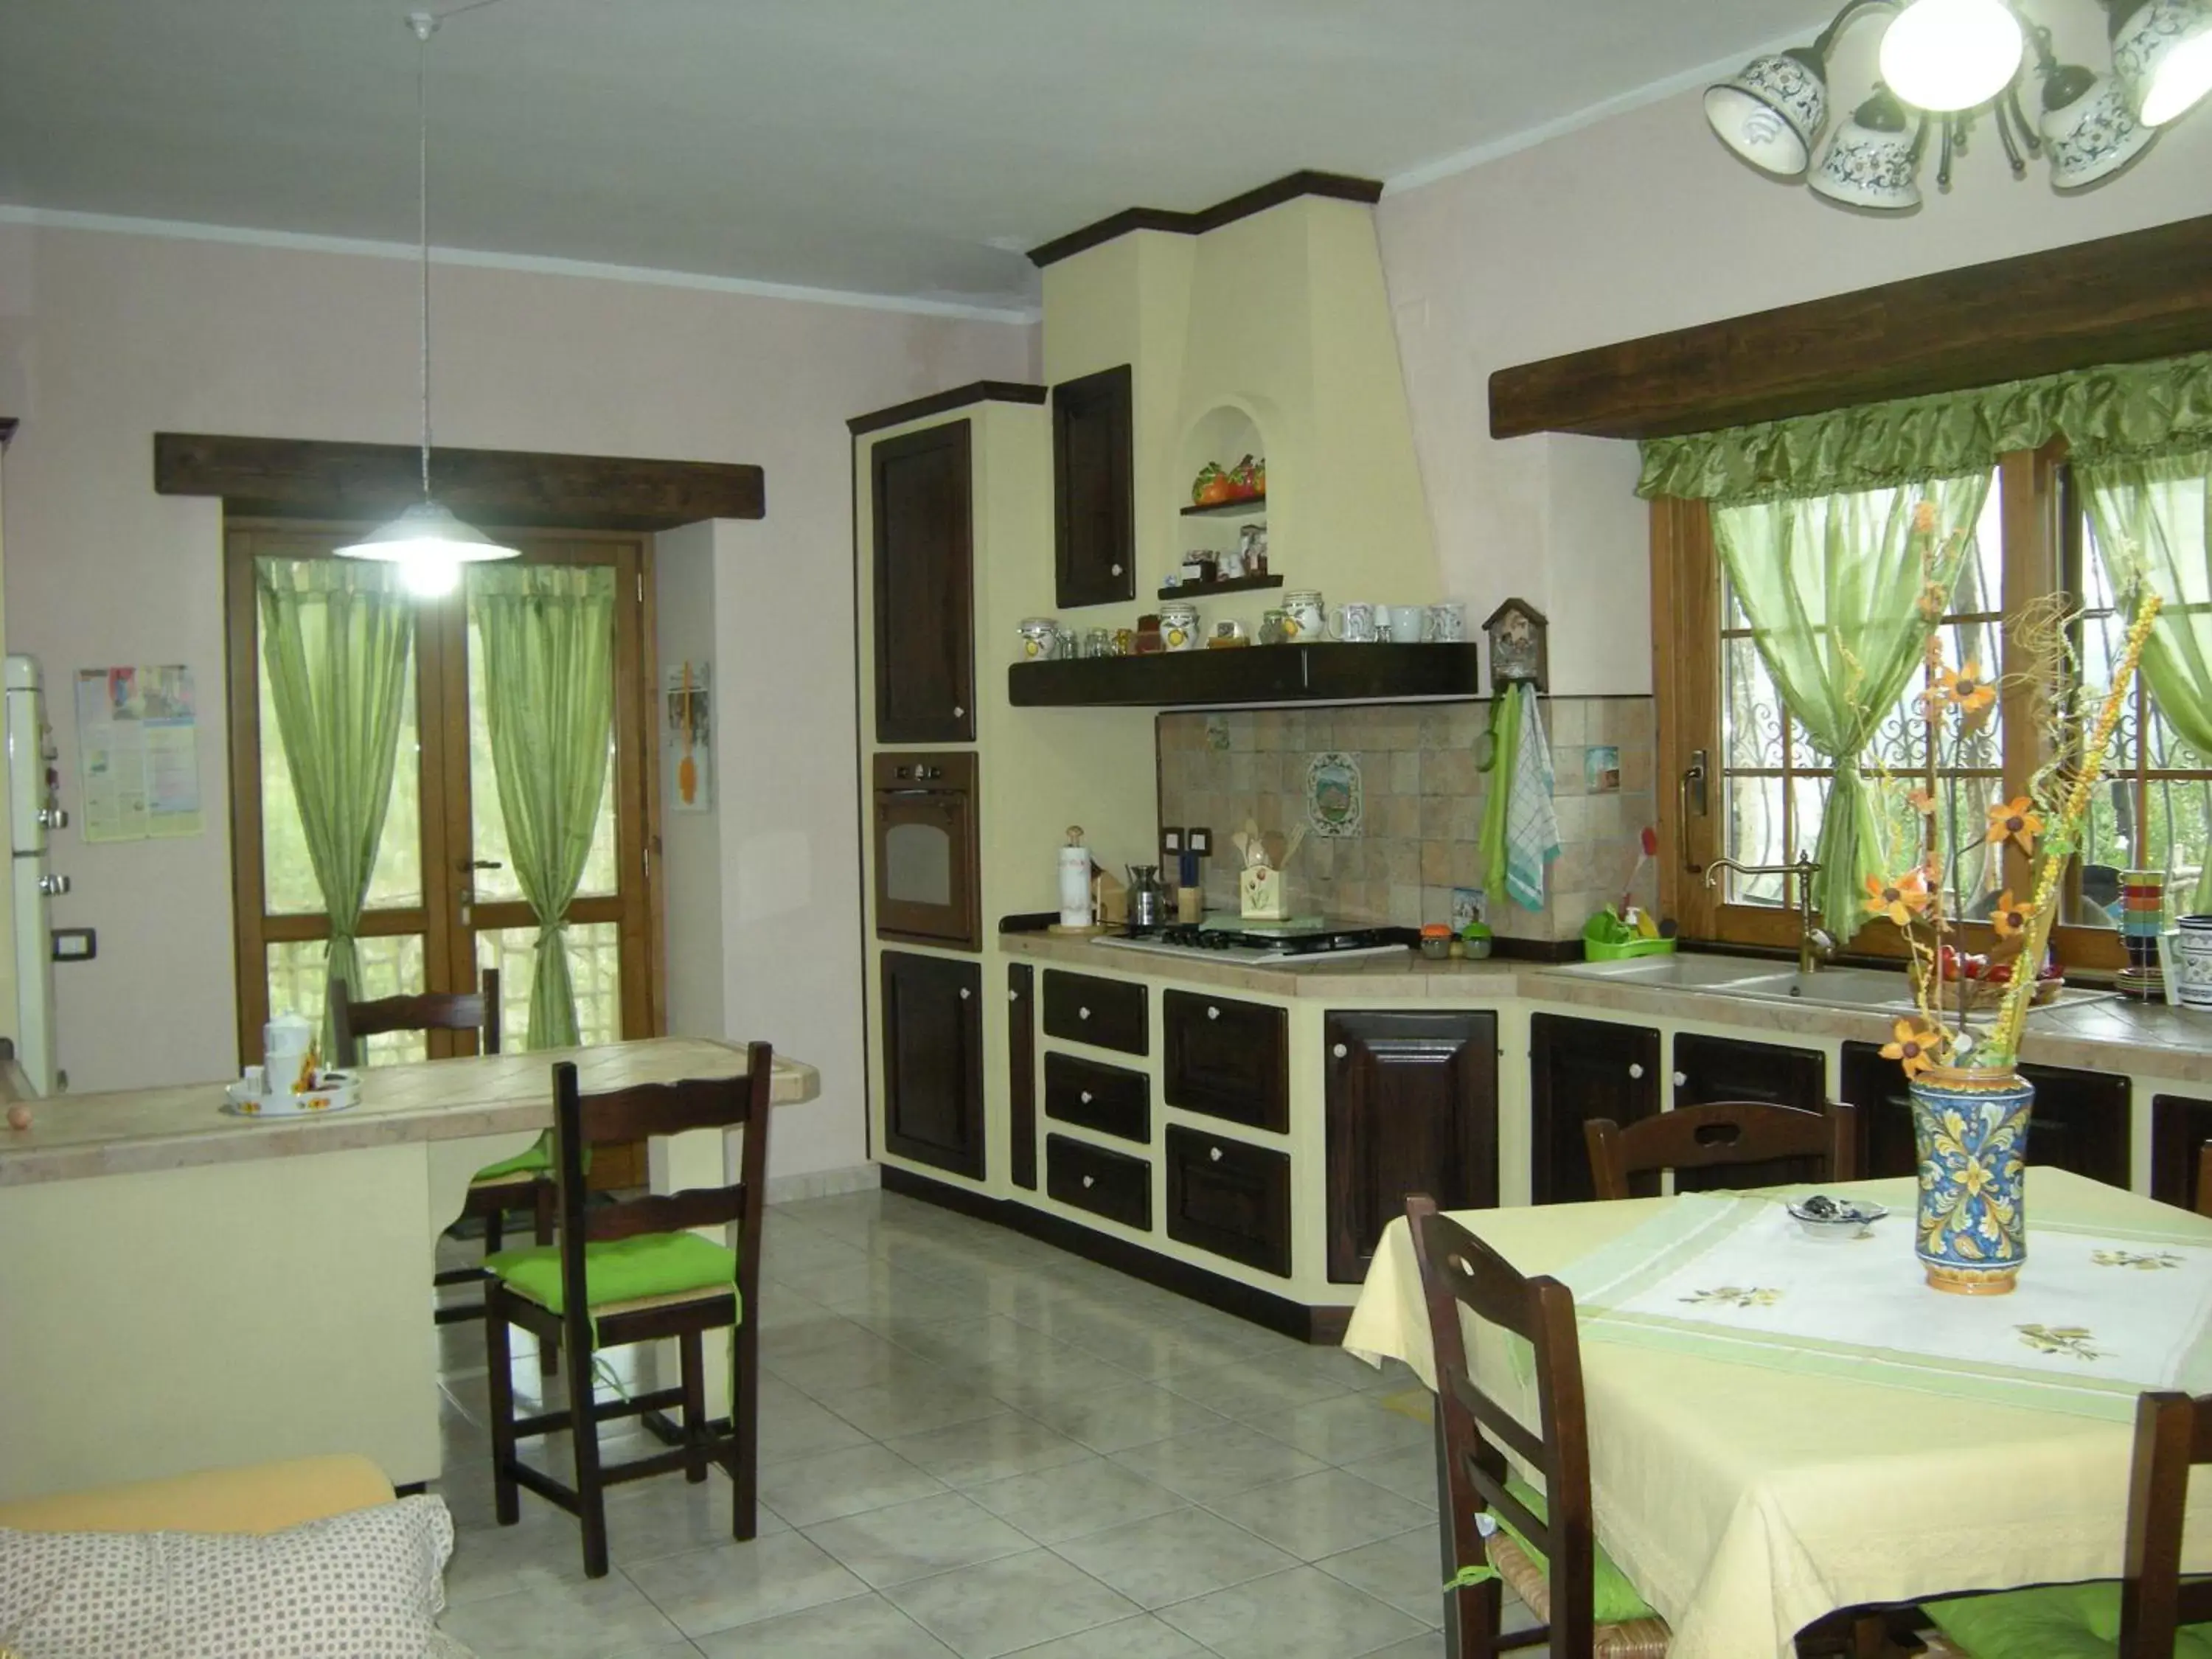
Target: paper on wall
[{"x": 137, "y": 737}]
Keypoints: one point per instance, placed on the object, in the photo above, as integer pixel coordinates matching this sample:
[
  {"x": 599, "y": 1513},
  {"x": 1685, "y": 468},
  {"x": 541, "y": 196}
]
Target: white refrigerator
[{"x": 31, "y": 814}]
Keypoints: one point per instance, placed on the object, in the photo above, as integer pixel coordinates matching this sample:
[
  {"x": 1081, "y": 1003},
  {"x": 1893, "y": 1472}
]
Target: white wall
[
  {"x": 1639, "y": 224},
  {"x": 684, "y": 566},
  {"x": 106, "y": 338}
]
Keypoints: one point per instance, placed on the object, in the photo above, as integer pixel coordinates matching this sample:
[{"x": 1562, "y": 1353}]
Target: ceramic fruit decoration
[
  {"x": 1211, "y": 487},
  {"x": 1248, "y": 478}
]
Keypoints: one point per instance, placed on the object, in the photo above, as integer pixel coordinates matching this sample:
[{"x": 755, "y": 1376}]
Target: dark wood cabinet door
[
  {"x": 1111, "y": 1099},
  {"x": 1411, "y": 1107},
  {"x": 1108, "y": 1013},
  {"x": 1226, "y": 1058},
  {"x": 2080, "y": 1121},
  {"x": 1111, "y": 1184},
  {"x": 2180, "y": 1127},
  {"x": 921, "y": 486},
  {"x": 1712, "y": 1068},
  {"x": 933, "y": 1015},
  {"x": 1022, "y": 1070},
  {"x": 1094, "y": 491},
  {"x": 1230, "y": 1197},
  {"x": 1579, "y": 1069}
]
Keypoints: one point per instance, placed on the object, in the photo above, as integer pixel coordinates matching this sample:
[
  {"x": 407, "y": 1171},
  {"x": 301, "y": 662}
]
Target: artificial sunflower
[
  {"x": 1913, "y": 1047},
  {"x": 2011, "y": 915},
  {"x": 2016, "y": 820},
  {"x": 1899, "y": 898},
  {"x": 1966, "y": 689},
  {"x": 1921, "y": 801},
  {"x": 1923, "y": 518}
]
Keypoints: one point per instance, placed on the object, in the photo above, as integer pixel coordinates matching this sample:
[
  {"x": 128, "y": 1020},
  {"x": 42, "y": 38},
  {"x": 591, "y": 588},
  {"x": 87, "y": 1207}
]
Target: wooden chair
[
  {"x": 2204, "y": 1179},
  {"x": 2172, "y": 1434},
  {"x": 1785, "y": 1144},
  {"x": 630, "y": 1271},
  {"x": 1546, "y": 1547}
]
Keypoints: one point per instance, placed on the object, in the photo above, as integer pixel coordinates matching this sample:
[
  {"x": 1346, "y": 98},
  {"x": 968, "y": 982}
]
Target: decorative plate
[{"x": 1335, "y": 802}]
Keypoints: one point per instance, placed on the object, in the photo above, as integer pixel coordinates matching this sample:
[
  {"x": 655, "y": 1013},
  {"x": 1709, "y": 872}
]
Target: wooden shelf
[
  {"x": 1228, "y": 584},
  {"x": 1222, "y": 509},
  {"x": 1248, "y": 674}
]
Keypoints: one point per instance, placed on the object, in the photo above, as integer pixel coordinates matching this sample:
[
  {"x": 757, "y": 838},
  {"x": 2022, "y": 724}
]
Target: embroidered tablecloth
[{"x": 1747, "y": 1499}]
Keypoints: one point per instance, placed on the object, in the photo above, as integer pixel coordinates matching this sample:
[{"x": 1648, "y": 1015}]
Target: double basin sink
[{"x": 1762, "y": 982}]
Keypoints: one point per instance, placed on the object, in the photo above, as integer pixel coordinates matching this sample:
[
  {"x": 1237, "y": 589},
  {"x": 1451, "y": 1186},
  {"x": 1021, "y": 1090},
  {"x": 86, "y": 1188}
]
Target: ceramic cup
[
  {"x": 2192, "y": 952},
  {"x": 1354, "y": 624},
  {"x": 1301, "y": 610},
  {"x": 1179, "y": 627},
  {"x": 1407, "y": 622},
  {"x": 1445, "y": 624}
]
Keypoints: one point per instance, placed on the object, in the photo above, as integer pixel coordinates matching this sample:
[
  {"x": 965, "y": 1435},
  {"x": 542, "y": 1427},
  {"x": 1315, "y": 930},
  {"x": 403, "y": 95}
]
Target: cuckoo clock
[{"x": 1517, "y": 651}]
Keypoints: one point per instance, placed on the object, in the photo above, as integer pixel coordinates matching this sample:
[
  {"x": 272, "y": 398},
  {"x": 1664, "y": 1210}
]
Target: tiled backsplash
[{"x": 1423, "y": 802}]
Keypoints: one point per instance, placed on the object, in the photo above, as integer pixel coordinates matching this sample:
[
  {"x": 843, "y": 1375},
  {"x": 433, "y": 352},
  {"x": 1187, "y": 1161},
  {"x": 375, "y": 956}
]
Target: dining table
[
  {"x": 182, "y": 1289},
  {"x": 1783, "y": 1427}
]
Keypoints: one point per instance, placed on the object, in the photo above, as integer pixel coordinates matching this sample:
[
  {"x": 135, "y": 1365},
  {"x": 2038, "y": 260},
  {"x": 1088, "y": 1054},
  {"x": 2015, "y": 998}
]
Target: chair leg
[
  {"x": 694, "y": 1404},
  {"x": 495, "y": 1230},
  {"x": 499, "y": 1357},
  {"x": 745, "y": 1424},
  {"x": 549, "y": 1353},
  {"x": 584, "y": 1436}
]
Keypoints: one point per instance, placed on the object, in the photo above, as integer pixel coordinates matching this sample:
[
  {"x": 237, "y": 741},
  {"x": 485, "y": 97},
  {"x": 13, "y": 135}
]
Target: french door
[{"x": 443, "y": 900}]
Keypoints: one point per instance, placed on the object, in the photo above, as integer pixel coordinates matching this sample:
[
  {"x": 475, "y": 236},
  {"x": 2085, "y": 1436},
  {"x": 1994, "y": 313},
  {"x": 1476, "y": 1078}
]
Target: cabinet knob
[
  {"x": 1635, "y": 1069},
  {"x": 1680, "y": 1078},
  {"x": 1213, "y": 1013},
  {"x": 1117, "y": 569},
  {"x": 1091, "y": 1180},
  {"x": 1083, "y": 1013},
  {"x": 1339, "y": 1051},
  {"x": 1215, "y": 1154},
  {"x": 1086, "y": 1096},
  {"x": 958, "y": 713},
  {"x": 964, "y": 993},
  {"x": 1013, "y": 996}
]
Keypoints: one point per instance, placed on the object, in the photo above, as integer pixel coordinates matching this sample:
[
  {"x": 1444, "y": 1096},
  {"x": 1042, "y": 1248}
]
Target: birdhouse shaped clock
[{"x": 1518, "y": 654}]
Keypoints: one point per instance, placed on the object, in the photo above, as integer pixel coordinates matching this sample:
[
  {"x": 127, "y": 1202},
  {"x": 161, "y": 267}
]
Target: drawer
[
  {"x": 1108, "y": 1014},
  {"x": 1230, "y": 1197},
  {"x": 1226, "y": 1059},
  {"x": 1111, "y": 1184},
  {"x": 1109, "y": 1099}
]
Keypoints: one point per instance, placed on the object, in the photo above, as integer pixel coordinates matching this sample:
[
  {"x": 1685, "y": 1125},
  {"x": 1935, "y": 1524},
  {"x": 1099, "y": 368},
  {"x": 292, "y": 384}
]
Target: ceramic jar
[
  {"x": 2192, "y": 951},
  {"x": 1301, "y": 610},
  {"x": 1040, "y": 639},
  {"x": 1970, "y": 1128},
  {"x": 1446, "y": 625},
  {"x": 1179, "y": 626}
]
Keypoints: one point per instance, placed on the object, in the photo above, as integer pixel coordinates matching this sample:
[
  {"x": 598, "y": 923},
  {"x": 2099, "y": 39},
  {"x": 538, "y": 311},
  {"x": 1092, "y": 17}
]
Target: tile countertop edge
[{"x": 2168, "y": 1044}]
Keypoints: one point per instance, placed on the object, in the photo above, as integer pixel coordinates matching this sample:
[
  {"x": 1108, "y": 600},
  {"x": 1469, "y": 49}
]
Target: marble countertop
[
  {"x": 2107, "y": 1034},
  {"x": 72, "y": 1136}
]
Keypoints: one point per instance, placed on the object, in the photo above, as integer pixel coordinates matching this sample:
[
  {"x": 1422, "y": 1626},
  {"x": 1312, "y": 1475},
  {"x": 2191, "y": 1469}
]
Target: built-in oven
[{"x": 927, "y": 886}]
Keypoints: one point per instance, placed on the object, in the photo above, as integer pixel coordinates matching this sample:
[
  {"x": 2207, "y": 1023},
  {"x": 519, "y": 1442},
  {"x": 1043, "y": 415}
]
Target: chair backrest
[
  {"x": 2204, "y": 1179},
  {"x": 1458, "y": 1270},
  {"x": 1720, "y": 1141},
  {"x": 2172, "y": 1433},
  {"x": 351, "y": 1021},
  {"x": 623, "y": 1116}
]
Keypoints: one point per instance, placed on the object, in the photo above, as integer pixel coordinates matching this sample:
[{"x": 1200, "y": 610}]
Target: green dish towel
[
  {"x": 1520, "y": 828},
  {"x": 2052, "y": 1621}
]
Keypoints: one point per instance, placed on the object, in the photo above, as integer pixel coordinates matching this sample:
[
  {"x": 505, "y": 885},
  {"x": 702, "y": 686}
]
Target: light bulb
[
  {"x": 2184, "y": 77},
  {"x": 429, "y": 571},
  {"x": 1947, "y": 55}
]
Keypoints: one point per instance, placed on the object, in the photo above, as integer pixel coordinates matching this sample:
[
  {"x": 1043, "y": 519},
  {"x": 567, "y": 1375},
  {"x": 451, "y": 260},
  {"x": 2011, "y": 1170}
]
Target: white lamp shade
[
  {"x": 430, "y": 545},
  {"x": 2095, "y": 136},
  {"x": 2162, "y": 57},
  {"x": 1869, "y": 167},
  {"x": 1948, "y": 55},
  {"x": 1771, "y": 114}
]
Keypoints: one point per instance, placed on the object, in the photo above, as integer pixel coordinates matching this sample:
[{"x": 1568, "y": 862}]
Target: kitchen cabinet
[
  {"x": 1580, "y": 1069},
  {"x": 2080, "y": 1121},
  {"x": 1106, "y": 1183},
  {"x": 1411, "y": 1106},
  {"x": 1227, "y": 1058},
  {"x": 2179, "y": 1126},
  {"x": 1714, "y": 1068},
  {"x": 1111, "y": 1099},
  {"x": 933, "y": 1029},
  {"x": 921, "y": 486},
  {"x": 1230, "y": 1197},
  {"x": 1109, "y": 1013},
  {"x": 1094, "y": 491},
  {"x": 1021, "y": 1073}
]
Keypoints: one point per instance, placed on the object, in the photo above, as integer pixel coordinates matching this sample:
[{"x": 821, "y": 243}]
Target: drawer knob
[
  {"x": 958, "y": 713},
  {"x": 1117, "y": 569},
  {"x": 1083, "y": 1013},
  {"x": 1635, "y": 1069},
  {"x": 1013, "y": 996},
  {"x": 1215, "y": 1154},
  {"x": 1339, "y": 1051},
  {"x": 964, "y": 993},
  {"x": 1091, "y": 1180},
  {"x": 1213, "y": 1013},
  {"x": 1680, "y": 1078},
  {"x": 1086, "y": 1096}
]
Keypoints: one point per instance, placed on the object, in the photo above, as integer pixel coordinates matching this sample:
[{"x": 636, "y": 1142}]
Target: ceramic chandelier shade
[
  {"x": 1772, "y": 113},
  {"x": 2094, "y": 136},
  {"x": 2162, "y": 56},
  {"x": 1873, "y": 160}
]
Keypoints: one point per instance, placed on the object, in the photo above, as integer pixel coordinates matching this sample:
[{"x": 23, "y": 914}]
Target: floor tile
[
  {"x": 1133, "y": 1415},
  {"x": 1303, "y": 1614},
  {"x": 1410, "y": 1474},
  {"x": 914, "y": 1540},
  {"x": 1348, "y": 1428},
  {"x": 1430, "y": 1646},
  {"x": 838, "y": 1365},
  {"x": 792, "y": 1425},
  {"x": 858, "y": 1627},
  {"x": 1215, "y": 1463},
  {"x": 1075, "y": 1498},
  {"x": 668, "y": 1516},
  {"x": 490, "y": 1561},
  {"x": 927, "y": 1399},
  {"x": 989, "y": 1449},
  {"x": 559, "y": 1618},
  {"x": 1173, "y": 1556},
  {"x": 1255, "y": 1390},
  {"x": 816, "y": 1489},
  {"x": 1028, "y": 1381},
  {"x": 1406, "y": 1570},
  {"x": 731, "y": 1584},
  {"x": 1003, "y": 1607},
  {"x": 1323, "y": 1514},
  {"x": 1142, "y": 1638}
]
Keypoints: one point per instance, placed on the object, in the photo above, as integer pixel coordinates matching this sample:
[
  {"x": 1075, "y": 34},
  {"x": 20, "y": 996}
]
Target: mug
[
  {"x": 1446, "y": 625},
  {"x": 1303, "y": 613},
  {"x": 1179, "y": 627},
  {"x": 1354, "y": 624},
  {"x": 1406, "y": 622},
  {"x": 1040, "y": 639},
  {"x": 2193, "y": 949}
]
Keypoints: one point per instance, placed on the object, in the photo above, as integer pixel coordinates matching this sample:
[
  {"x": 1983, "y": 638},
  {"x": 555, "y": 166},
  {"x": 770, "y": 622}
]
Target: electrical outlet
[
  {"x": 73, "y": 944},
  {"x": 1170, "y": 841},
  {"x": 1198, "y": 841}
]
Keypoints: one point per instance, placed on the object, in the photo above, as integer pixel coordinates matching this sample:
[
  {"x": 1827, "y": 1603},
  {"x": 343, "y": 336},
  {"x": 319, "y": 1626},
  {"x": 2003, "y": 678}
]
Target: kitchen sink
[
  {"x": 1831, "y": 988},
  {"x": 1688, "y": 973},
  {"x": 1875, "y": 988}
]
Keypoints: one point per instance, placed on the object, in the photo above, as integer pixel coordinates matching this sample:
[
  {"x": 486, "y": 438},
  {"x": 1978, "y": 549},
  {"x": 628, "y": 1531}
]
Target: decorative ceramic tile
[{"x": 1336, "y": 803}]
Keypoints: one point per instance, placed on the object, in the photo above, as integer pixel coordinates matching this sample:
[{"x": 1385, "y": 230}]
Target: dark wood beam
[
  {"x": 2121, "y": 299},
  {"x": 938, "y": 402},
  {"x": 303, "y": 478},
  {"x": 1337, "y": 185}
]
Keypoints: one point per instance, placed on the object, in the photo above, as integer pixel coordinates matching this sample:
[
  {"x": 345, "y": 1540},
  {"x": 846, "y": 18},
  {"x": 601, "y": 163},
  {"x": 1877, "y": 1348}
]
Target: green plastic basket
[{"x": 1599, "y": 951}]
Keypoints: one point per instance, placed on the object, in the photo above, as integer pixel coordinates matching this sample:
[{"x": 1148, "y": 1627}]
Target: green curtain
[
  {"x": 547, "y": 635},
  {"x": 2153, "y": 515},
  {"x": 337, "y": 638},
  {"x": 1831, "y": 586}
]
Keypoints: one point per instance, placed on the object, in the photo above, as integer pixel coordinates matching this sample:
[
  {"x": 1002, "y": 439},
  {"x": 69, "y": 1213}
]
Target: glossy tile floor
[{"x": 975, "y": 1444}]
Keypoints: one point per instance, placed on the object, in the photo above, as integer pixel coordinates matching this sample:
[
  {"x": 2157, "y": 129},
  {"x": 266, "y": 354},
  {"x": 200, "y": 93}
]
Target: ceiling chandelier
[
  {"x": 1943, "y": 64},
  {"x": 427, "y": 542}
]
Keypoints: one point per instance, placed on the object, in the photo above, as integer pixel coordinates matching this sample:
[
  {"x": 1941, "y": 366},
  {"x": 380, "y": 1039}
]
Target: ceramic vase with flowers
[{"x": 1970, "y": 1107}]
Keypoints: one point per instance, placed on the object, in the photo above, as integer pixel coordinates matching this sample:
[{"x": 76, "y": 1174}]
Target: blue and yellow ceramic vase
[{"x": 1970, "y": 1125}]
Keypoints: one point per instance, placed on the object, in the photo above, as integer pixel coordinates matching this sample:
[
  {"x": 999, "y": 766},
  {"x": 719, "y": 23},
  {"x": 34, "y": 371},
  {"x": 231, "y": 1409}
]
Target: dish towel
[{"x": 1520, "y": 829}]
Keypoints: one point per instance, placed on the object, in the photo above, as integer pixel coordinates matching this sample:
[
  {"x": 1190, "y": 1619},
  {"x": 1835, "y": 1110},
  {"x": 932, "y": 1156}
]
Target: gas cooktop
[{"x": 1231, "y": 944}]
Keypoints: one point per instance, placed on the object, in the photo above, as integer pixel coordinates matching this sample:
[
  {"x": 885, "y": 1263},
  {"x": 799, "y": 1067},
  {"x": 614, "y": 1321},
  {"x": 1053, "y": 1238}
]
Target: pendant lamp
[{"x": 427, "y": 542}]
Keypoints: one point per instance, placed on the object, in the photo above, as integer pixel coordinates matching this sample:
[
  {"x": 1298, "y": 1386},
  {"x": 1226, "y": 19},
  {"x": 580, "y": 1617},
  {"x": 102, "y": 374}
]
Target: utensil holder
[{"x": 1259, "y": 893}]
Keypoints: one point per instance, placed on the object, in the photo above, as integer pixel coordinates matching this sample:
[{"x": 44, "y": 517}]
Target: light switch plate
[
  {"x": 1199, "y": 840},
  {"x": 1170, "y": 841},
  {"x": 73, "y": 944}
]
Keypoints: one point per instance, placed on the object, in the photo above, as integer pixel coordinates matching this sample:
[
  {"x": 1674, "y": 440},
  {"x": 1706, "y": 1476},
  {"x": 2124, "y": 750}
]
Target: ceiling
[{"x": 908, "y": 148}]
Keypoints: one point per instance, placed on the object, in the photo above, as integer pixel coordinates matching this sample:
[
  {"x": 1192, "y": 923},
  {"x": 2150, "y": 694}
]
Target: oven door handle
[{"x": 909, "y": 794}]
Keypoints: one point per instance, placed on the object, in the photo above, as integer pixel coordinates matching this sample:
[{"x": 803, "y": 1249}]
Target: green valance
[{"x": 2135, "y": 410}]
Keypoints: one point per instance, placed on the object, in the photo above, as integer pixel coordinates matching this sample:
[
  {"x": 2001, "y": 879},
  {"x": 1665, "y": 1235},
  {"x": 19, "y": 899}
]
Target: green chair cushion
[
  {"x": 1615, "y": 1600},
  {"x": 537, "y": 1160},
  {"x": 2052, "y": 1621},
  {"x": 652, "y": 1264}
]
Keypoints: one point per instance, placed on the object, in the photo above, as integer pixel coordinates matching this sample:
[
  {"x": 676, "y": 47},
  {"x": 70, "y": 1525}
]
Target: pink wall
[
  {"x": 1637, "y": 224},
  {"x": 106, "y": 338}
]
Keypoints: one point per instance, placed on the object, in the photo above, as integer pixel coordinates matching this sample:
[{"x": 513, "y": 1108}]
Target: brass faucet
[{"x": 1815, "y": 945}]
